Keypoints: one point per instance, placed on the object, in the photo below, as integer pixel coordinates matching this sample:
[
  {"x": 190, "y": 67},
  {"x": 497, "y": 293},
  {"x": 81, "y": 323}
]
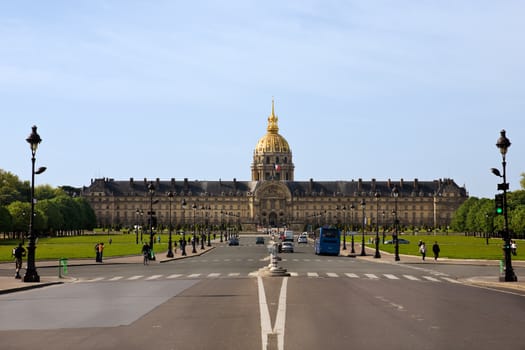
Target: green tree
[
  {"x": 51, "y": 210},
  {"x": 6, "y": 221},
  {"x": 89, "y": 219},
  {"x": 12, "y": 189},
  {"x": 70, "y": 212},
  {"x": 517, "y": 220},
  {"x": 459, "y": 219},
  {"x": 20, "y": 212}
]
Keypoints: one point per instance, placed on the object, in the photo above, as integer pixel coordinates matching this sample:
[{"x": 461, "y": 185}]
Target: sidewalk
[
  {"x": 484, "y": 281},
  {"x": 10, "y": 284}
]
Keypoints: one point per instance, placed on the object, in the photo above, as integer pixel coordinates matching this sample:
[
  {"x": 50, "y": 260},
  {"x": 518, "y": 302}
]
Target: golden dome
[{"x": 272, "y": 142}]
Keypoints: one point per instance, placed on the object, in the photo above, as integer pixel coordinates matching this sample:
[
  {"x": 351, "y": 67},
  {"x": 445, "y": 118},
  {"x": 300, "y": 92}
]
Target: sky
[{"x": 384, "y": 89}]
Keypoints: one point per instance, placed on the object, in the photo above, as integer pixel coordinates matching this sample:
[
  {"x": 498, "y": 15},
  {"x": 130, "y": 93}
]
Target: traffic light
[{"x": 499, "y": 204}]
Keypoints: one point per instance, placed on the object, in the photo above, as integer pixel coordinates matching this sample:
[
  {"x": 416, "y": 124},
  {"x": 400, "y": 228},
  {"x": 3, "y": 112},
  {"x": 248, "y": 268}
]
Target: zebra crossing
[{"x": 313, "y": 274}]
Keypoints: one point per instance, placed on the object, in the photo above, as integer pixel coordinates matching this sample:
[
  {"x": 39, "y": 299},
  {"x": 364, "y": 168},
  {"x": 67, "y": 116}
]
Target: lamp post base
[
  {"x": 508, "y": 279},
  {"x": 31, "y": 276}
]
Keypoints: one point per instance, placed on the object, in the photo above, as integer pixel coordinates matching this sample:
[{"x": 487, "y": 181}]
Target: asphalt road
[{"x": 217, "y": 301}]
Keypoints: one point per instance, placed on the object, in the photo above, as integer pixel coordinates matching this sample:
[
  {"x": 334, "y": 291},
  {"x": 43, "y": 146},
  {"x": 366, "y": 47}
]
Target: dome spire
[{"x": 272, "y": 121}]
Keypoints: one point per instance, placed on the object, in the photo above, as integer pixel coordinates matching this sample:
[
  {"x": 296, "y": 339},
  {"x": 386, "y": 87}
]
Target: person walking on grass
[{"x": 436, "y": 250}]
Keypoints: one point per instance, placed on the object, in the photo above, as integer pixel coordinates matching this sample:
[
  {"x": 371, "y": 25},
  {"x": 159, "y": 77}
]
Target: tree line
[
  {"x": 58, "y": 211},
  {"x": 478, "y": 215}
]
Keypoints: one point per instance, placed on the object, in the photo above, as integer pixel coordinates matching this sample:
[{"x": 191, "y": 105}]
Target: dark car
[
  {"x": 233, "y": 241},
  {"x": 259, "y": 240},
  {"x": 400, "y": 240}
]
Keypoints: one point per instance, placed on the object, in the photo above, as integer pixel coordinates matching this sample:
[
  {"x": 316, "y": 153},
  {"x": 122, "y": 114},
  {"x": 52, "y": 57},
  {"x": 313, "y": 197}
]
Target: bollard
[
  {"x": 501, "y": 267},
  {"x": 62, "y": 267}
]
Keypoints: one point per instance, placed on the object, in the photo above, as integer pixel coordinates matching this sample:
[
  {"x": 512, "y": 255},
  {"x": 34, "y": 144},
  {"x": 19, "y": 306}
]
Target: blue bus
[{"x": 327, "y": 241}]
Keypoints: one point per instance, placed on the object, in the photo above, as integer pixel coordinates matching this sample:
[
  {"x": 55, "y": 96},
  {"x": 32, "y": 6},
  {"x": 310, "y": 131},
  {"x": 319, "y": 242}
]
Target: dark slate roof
[{"x": 297, "y": 188}]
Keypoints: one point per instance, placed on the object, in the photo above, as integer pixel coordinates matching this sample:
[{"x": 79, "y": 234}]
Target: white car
[
  {"x": 287, "y": 247},
  {"x": 302, "y": 239}
]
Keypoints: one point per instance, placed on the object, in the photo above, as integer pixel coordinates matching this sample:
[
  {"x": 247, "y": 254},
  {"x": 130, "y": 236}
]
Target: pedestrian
[
  {"x": 18, "y": 253},
  {"x": 423, "y": 250},
  {"x": 175, "y": 247},
  {"x": 513, "y": 247},
  {"x": 436, "y": 250},
  {"x": 100, "y": 251},
  {"x": 97, "y": 251},
  {"x": 146, "y": 251}
]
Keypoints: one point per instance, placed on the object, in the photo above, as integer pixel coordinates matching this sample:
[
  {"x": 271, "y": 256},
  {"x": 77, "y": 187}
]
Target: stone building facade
[{"x": 274, "y": 198}]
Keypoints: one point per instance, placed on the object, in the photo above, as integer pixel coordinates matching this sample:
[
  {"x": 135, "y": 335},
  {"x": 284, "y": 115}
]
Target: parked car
[
  {"x": 233, "y": 241},
  {"x": 287, "y": 247},
  {"x": 400, "y": 240},
  {"x": 259, "y": 240},
  {"x": 302, "y": 239}
]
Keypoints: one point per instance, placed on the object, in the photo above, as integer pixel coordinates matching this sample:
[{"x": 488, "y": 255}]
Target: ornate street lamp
[
  {"x": 503, "y": 144},
  {"x": 138, "y": 213},
  {"x": 395, "y": 194},
  {"x": 221, "y": 231},
  {"x": 193, "y": 250},
  {"x": 202, "y": 232},
  {"x": 183, "y": 245},
  {"x": 344, "y": 227},
  {"x": 377, "y": 255},
  {"x": 352, "y": 207},
  {"x": 208, "y": 208},
  {"x": 363, "y": 252},
  {"x": 170, "y": 242},
  {"x": 31, "y": 273},
  {"x": 151, "y": 190}
]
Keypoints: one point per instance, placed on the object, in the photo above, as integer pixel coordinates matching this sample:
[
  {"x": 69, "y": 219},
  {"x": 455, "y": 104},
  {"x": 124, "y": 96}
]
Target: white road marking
[
  {"x": 371, "y": 276},
  {"x": 175, "y": 275},
  {"x": 451, "y": 280},
  {"x": 96, "y": 279},
  {"x": 312, "y": 274},
  {"x": 391, "y": 277},
  {"x": 293, "y": 274},
  {"x": 432, "y": 279},
  {"x": 116, "y": 278},
  {"x": 266, "y": 323},
  {"x": 412, "y": 278},
  {"x": 133, "y": 278},
  {"x": 351, "y": 275},
  {"x": 194, "y": 275},
  {"x": 332, "y": 274},
  {"x": 154, "y": 277},
  {"x": 281, "y": 316},
  {"x": 234, "y": 274},
  {"x": 214, "y": 275}
]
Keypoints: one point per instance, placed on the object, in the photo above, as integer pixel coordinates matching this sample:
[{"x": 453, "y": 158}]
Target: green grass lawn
[
  {"x": 452, "y": 246},
  {"x": 79, "y": 247}
]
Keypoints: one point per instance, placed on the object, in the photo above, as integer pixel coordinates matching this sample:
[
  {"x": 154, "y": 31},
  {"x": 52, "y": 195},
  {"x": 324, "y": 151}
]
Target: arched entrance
[{"x": 272, "y": 219}]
